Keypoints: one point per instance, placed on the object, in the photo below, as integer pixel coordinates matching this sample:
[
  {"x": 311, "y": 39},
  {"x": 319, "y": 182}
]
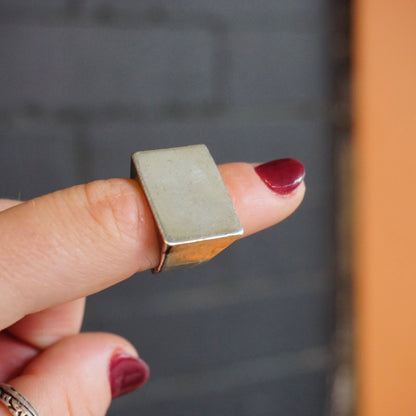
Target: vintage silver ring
[{"x": 16, "y": 403}]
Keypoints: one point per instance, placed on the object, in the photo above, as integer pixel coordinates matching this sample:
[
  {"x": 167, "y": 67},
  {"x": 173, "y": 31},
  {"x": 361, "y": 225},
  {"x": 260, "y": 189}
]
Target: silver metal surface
[
  {"x": 15, "y": 402},
  {"x": 192, "y": 208}
]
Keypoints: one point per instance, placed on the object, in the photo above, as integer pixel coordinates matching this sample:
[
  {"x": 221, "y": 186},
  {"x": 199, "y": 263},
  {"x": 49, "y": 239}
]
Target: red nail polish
[
  {"x": 127, "y": 374},
  {"x": 282, "y": 176}
]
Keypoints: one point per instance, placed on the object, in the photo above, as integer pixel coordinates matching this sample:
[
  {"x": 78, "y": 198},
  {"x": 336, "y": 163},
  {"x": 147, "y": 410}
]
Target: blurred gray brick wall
[
  {"x": 75, "y": 67},
  {"x": 86, "y": 82}
]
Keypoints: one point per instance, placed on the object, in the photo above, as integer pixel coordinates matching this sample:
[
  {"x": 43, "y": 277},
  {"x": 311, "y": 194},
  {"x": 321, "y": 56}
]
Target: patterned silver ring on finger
[{"x": 15, "y": 402}]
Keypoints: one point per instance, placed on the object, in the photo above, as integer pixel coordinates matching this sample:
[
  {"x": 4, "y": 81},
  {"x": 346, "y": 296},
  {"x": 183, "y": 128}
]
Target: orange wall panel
[{"x": 384, "y": 107}]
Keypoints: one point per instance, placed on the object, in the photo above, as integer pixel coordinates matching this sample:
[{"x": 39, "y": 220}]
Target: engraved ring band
[{"x": 15, "y": 402}]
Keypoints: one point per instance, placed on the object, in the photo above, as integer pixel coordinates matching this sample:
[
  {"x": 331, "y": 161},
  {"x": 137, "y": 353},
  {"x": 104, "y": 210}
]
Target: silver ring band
[{"x": 17, "y": 404}]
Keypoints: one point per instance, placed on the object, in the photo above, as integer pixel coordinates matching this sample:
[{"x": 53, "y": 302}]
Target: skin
[{"x": 59, "y": 248}]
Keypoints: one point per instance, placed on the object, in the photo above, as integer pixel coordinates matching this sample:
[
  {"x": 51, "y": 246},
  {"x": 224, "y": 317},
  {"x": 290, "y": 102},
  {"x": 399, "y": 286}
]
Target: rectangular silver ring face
[{"x": 190, "y": 203}]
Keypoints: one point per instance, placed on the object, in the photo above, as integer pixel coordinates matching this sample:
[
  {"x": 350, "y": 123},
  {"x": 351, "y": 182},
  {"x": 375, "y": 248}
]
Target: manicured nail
[
  {"x": 282, "y": 176},
  {"x": 127, "y": 373}
]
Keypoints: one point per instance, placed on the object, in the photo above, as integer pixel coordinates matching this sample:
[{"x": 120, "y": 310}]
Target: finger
[
  {"x": 39, "y": 330},
  {"x": 27, "y": 337},
  {"x": 80, "y": 375},
  {"x": 78, "y": 241},
  {"x": 8, "y": 203},
  {"x": 15, "y": 356},
  {"x": 46, "y": 327}
]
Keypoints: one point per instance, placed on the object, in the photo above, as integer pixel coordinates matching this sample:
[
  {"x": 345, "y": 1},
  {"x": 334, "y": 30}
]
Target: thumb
[{"x": 80, "y": 375}]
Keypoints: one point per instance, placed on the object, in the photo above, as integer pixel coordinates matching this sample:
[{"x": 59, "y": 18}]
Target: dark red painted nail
[
  {"x": 282, "y": 176},
  {"x": 127, "y": 374}
]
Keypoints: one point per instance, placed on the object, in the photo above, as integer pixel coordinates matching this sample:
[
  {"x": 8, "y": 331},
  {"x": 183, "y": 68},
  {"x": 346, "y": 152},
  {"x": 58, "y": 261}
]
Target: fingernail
[
  {"x": 127, "y": 373},
  {"x": 282, "y": 176}
]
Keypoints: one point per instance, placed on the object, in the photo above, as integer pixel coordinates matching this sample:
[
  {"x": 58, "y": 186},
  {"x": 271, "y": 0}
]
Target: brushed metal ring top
[
  {"x": 191, "y": 206},
  {"x": 16, "y": 403}
]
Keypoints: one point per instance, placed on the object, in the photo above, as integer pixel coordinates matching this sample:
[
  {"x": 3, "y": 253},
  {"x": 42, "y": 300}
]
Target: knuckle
[{"x": 115, "y": 205}]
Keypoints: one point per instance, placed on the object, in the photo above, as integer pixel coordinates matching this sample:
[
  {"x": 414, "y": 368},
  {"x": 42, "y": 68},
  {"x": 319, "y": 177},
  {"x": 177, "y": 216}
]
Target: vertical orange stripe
[{"x": 385, "y": 233}]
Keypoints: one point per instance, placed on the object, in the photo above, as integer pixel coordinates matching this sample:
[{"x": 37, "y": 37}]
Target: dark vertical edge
[{"x": 342, "y": 394}]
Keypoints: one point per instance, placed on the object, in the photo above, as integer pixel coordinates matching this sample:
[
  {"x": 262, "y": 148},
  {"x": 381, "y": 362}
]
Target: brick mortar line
[
  {"x": 209, "y": 111},
  {"x": 200, "y": 299},
  {"x": 145, "y": 21},
  {"x": 234, "y": 376},
  {"x": 68, "y": 21}
]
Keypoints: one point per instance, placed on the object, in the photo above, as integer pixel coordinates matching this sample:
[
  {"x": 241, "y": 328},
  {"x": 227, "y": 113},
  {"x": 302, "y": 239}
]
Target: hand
[{"x": 61, "y": 247}]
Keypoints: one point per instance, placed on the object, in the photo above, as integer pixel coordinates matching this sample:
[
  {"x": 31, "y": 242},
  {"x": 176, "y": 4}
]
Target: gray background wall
[{"x": 86, "y": 82}]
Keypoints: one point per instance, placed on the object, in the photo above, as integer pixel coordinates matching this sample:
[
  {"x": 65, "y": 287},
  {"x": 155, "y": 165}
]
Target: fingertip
[
  {"x": 282, "y": 176},
  {"x": 257, "y": 205},
  {"x": 84, "y": 371},
  {"x": 127, "y": 373}
]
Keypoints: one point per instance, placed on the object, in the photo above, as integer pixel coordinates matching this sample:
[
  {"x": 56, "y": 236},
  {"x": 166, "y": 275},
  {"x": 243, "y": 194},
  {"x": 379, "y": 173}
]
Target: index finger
[
  {"x": 78, "y": 241},
  {"x": 8, "y": 203}
]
